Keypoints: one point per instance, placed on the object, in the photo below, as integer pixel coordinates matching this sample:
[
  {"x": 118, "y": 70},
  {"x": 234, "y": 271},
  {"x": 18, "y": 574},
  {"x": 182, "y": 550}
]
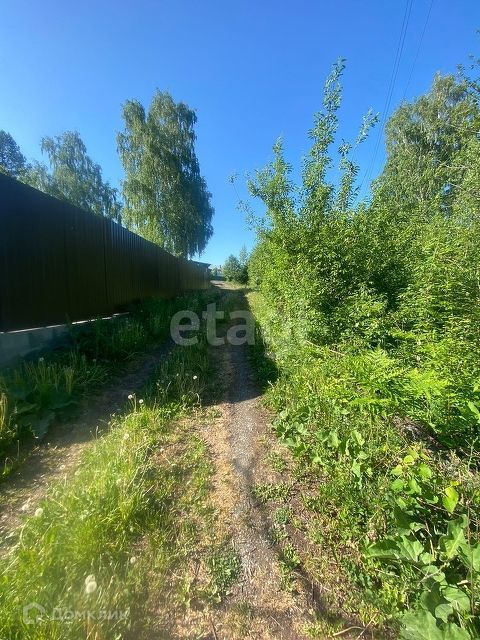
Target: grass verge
[
  {"x": 47, "y": 387},
  {"x": 386, "y": 524},
  {"x": 126, "y": 543}
]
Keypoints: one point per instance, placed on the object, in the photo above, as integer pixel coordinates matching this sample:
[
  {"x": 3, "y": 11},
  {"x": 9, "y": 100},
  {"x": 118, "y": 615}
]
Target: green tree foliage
[
  {"x": 236, "y": 269},
  {"x": 166, "y": 198},
  {"x": 73, "y": 176},
  {"x": 374, "y": 318},
  {"x": 12, "y": 161}
]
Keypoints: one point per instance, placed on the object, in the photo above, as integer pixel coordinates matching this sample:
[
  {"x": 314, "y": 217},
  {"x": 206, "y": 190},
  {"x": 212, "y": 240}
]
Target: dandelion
[
  {"x": 133, "y": 560},
  {"x": 39, "y": 512},
  {"x": 130, "y": 397},
  {"x": 140, "y": 401},
  {"x": 41, "y": 359},
  {"x": 90, "y": 584},
  {"x": 195, "y": 377}
]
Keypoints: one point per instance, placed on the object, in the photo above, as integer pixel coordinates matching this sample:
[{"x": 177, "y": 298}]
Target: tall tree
[
  {"x": 12, "y": 161},
  {"x": 73, "y": 176},
  {"x": 166, "y": 198},
  {"x": 426, "y": 142}
]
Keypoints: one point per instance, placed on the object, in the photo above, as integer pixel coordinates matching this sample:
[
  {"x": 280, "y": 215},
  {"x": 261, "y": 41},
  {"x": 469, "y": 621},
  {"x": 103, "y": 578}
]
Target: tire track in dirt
[{"x": 236, "y": 446}]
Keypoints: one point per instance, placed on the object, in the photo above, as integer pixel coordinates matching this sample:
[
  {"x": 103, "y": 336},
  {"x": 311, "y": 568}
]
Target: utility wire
[
  {"x": 391, "y": 87},
  {"x": 418, "y": 49}
]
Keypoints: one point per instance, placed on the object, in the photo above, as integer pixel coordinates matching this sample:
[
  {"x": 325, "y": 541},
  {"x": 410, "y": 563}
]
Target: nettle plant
[{"x": 433, "y": 543}]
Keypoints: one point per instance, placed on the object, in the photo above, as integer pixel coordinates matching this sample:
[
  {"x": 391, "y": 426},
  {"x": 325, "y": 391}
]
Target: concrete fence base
[{"x": 18, "y": 344}]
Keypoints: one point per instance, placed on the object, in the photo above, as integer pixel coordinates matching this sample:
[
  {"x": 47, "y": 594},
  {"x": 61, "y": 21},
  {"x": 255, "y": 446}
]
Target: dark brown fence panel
[{"x": 59, "y": 263}]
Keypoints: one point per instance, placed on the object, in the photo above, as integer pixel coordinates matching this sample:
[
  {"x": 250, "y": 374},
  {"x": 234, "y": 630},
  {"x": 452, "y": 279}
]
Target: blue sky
[{"x": 252, "y": 70}]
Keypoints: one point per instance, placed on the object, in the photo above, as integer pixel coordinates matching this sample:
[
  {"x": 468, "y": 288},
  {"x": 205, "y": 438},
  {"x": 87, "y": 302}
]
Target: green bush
[{"x": 370, "y": 312}]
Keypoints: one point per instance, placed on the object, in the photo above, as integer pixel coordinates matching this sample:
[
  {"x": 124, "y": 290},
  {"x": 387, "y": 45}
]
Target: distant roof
[{"x": 202, "y": 264}]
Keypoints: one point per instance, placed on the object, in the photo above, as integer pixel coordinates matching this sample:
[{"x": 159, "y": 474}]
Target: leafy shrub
[{"x": 370, "y": 313}]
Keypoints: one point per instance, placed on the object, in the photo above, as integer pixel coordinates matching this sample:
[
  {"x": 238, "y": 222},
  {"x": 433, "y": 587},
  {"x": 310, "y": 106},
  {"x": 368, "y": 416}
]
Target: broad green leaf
[
  {"x": 424, "y": 471},
  {"x": 358, "y": 437},
  {"x": 453, "y": 632},
  {"x": 431, "y": 599},
  {"x": 414, "y": 487},
  {"x": 470, "y": 555},
  {"x": 420, "y": 625},
  {"x": 333, "y": 439},
  {"x": 443, "y": 611},
  {"x": 409, "y": 550},
  {"x": 386, "y": 549},
  {"x": 455, "y": 537},
  {"x": 457, "y": 598},
  {"x": 474, "y": 409},
  {"x": 398, "y": 484},
  {"x": 450, "y": 499}
]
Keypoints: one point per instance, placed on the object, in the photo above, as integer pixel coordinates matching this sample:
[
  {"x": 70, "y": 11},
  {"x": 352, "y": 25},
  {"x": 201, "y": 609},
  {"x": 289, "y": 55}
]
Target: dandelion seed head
[
  {"x": 90, "y": 587},
  {"x": 130, "y": 396},
  {"x": 195, "y": 377},
  {"x": 140, "y": 401},
  {"x": 133, "y": 560},
  {"x": 39, "y": 512},
  {"x": 90, "y": 584}
]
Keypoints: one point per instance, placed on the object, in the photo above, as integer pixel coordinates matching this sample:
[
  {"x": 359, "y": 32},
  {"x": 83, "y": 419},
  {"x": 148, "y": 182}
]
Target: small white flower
[
  {"x": 39, "y": 512},
  {"x": 133, "y": 560},
  {"x": 126, "y": 436},
  {"x": 195, "y": 377},
  {"x": 140, "y": 401},
  {"x": 41, "y": 359},
  {"x": 130, "y": 397},
  {"x": 90, "y": 584}
]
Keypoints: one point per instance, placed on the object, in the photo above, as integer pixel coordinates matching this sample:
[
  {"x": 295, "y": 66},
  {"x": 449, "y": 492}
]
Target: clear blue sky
[{"x": 252, "y": 70}]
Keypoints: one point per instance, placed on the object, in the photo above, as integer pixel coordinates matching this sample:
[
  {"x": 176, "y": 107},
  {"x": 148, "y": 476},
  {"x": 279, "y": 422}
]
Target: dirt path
[
  {"x": 258, "y": 607},
  {"x": 59, "y": 455}
]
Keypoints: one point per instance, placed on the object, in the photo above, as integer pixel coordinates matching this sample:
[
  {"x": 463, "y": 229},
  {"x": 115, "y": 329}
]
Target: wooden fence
[{"x": 61, "y": 264}]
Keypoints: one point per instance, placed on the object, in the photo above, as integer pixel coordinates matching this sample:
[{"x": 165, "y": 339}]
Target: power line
[
  {"x": 391, "y": 87},
  {"x": 418, "y": 49}
]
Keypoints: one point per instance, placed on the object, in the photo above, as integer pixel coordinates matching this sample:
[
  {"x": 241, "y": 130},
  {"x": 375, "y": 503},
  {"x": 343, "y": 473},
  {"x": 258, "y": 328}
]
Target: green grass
[
  {"x": 396, "y": 520},
  {"x": 40, "y": 391},
  {"x": 120, "y": 538}
]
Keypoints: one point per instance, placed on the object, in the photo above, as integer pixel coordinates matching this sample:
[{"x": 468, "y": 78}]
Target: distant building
[{"x": 206, "y": 267}]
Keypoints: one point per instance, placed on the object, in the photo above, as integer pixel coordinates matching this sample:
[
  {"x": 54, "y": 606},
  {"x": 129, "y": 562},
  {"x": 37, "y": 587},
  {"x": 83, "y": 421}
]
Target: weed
[
  {"x": 276, "y": 461},
  {"x": 289, "y": 561},
  {"x": 269, "y": 491},
  {"x": 224, "y": 566}
]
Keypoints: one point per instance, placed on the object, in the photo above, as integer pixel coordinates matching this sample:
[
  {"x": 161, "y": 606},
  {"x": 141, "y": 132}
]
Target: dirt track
[{"x": 237, "y": 447}]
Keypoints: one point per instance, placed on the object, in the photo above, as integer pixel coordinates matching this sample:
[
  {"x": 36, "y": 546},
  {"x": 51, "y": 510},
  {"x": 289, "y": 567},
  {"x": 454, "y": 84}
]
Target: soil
[{"x": 258, "y": 607}]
